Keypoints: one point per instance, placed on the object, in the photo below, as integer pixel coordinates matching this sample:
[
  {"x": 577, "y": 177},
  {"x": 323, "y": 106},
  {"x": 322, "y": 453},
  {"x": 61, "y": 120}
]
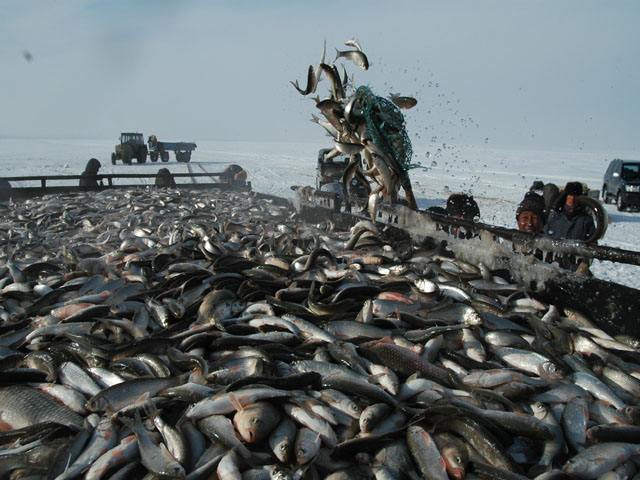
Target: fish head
[
  {"x": 353, "y": 408},
  {"x": 282, "y": 450},
  {"x": 254, "y": 424},
  {"x": 550, "y": 371},
  {"x": 455, "y": 461},
  {"x": 250, "y": 428},
  {"x": 301, "y": 455},
  {"x": 173, "y": 470},
  {"x": 539, "y": 409},
  {"x": 633, "y": 414},
  {"x": 97, "y": 404}
]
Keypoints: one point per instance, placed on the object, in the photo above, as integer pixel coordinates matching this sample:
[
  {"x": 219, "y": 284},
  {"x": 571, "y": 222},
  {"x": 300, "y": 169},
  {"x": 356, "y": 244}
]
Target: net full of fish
[
  {"x": 179, "y": 334},
  {"x": 370, "y": 129}
]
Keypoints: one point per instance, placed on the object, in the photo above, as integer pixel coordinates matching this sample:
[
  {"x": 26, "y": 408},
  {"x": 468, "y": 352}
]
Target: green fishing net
[{"x": 386, "y": 127}]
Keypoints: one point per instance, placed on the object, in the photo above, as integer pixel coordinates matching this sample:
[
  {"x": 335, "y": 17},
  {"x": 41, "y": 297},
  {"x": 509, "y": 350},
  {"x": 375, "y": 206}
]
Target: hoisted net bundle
[{"x": 386, "y": 127}]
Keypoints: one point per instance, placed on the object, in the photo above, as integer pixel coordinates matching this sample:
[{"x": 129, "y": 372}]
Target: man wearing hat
[
  {"x": 567, "y": 219},
  {"x": 530, "y": 213},
  {"x": 463, "y": 206}
]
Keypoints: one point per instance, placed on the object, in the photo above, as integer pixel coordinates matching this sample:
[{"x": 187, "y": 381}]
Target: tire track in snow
[
  {"x": 193, "y": 179},
  {"x": 205, "y": 171}
]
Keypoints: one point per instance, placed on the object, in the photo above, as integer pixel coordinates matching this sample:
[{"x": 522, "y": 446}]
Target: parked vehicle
[
  {"x": 622, "y": 184},
  {"x": 131, "y": 146},
  {"x": 329, "y": 173},
  {"x": 161, "y": 150}
]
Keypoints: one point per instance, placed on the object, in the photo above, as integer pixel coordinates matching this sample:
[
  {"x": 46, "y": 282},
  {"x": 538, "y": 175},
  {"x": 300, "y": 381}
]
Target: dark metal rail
[
  {"x": 543, "y": 243},
  {"x": 24, "y": 192},
  {"x": 105, "y": 176}
]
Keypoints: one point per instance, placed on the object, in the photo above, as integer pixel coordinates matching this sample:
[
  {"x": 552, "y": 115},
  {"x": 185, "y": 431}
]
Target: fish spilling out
[
  {"x": 209, "y": 334},
  {"x": 369, "y": 129}
]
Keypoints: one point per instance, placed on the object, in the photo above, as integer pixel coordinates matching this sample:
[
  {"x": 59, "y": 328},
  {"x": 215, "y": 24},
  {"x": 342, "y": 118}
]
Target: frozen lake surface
[{"x": 498, "y": 178}]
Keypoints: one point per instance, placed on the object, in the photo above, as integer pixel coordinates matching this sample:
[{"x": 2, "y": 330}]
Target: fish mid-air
[
  {"x": 356, "y": 56},
  {"x": 403, "y": 102}
]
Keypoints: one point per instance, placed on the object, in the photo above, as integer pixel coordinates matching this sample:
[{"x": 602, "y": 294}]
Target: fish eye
[{"x": 457, "y": 459}]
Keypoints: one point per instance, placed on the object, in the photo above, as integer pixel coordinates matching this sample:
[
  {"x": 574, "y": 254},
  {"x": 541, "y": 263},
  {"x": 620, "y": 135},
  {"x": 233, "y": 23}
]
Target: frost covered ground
[{"x": 498, "y": 178}]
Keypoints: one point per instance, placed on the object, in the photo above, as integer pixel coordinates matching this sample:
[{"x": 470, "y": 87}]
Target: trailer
[{"x": 160, "y": 150}]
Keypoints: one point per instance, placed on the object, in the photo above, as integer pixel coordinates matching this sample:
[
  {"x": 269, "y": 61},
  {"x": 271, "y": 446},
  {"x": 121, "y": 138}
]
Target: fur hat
[
  {"x": 464, "y": 205},
  {"x": 532, "y": 202},
  {"x": 573, "y": 188}
]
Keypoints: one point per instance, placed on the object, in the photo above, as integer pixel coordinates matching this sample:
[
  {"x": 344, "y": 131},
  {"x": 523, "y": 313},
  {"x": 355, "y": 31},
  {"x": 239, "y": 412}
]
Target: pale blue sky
[{"x": 536, "y": 73}]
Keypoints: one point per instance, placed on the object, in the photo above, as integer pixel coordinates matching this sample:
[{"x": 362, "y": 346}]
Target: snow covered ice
[{"x": 498, "y": 178}]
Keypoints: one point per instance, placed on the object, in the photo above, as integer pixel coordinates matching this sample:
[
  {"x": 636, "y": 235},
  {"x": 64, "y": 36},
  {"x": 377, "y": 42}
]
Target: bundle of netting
[{"x": 386, "y": 127}]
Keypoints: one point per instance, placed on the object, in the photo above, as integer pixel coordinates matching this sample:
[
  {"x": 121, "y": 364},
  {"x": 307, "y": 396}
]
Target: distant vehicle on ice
[
  {"x": 329, "y": 173},
  {"x": 161, "y": 150},
  {"x": 622, "y": 184},
  {"x": 131, "y": 146}
]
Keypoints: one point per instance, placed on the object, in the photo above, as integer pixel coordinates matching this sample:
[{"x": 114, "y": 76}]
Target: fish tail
[{"x": 338, "y": 54}]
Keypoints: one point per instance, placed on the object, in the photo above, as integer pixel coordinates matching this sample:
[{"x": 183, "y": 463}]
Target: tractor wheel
[
  {"x": 605, "y": 195},
  {"x": 180, "y": 157},
  {"x": 126, "y": 152},
  {"x": 113, "y": 159},
  {"x": 153, "y": 156},
  {"x": 187, "y": 157},
  {"x": 164, "y": 156}
]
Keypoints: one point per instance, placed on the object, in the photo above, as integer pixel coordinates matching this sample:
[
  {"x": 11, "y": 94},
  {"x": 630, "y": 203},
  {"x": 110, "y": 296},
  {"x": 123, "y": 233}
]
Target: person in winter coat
[
  {"x": 567, "y": 220},
  {"x": 463, "y": 206},
  {"x": 530, "y": 213},
  {"x": 550, "y": 193},
  {"x": 234, "y": 175},
  {"x": 87, "y": 178},
  {"x": 165, "y": 179}
]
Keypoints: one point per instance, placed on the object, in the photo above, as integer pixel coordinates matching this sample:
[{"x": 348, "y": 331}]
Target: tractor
[{"x": 131, "y": 146}]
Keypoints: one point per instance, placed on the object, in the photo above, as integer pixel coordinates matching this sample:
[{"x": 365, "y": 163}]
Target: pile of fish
[
  {"x": 177, "y": 334},
  {"x": 360, "y": 123}
]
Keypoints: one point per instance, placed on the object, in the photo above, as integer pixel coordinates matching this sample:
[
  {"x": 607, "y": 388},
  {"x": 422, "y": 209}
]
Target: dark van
[{"x": 622, "y": 184}]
